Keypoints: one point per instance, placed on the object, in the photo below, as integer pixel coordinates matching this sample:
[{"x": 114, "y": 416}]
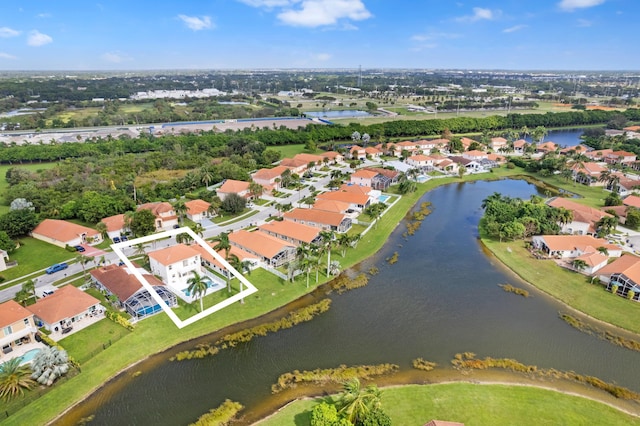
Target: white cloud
[
  {"x": 4, "y": 55},
  {"x": 36, "y": 38},
  {"x": 571, "y": 5},
  {"x": 434, "y": 36},
  {"x": 6, "y": 32},
  {"x": 115, "y": 57},
  {"x": 315, "y": 13},
  {"x": 479, "y": 14},
  {"x": 514, "y": 28},
  {"x": 43, "y": 15},
  {"x": 195, "y": 23},
  {"x": 268, "y": 3},
  {"x": 321, "y": 57},
  {"x": 584, "y": 23}
]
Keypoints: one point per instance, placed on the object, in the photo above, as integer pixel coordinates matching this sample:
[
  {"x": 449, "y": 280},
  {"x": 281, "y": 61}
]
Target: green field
[
  {"x": 34, "y": 255},
  {"x": 474, "y": 404}
]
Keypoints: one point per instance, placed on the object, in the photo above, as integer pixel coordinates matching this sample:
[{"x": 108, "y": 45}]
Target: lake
[
  {"x": 569, "y": 137},
  {"x": 439, "y": 299}
]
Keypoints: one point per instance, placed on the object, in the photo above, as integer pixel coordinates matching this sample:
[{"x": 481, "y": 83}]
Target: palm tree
[
  {"x": 183, "y": 238},
  {"x": 197, "y": 229},
  {"x": 605, "y": 225},
  {"x": 344, "y": 241},
  {"x": 101, "y": 227},
  {"x": 255, "y": 189},
  {"x": 354, "y": 403},
  {"x": 197, "y": 287},
  {"x": 328, "y": 239},
  {"x": 305, "y": 262},
  {"x": 242, "y": 266},
  {"x": 83, "y": 260},
  {"x": 180, "y": 208},
  {"x": 128, "y": 218},
  {"x": 334, "y": 268},
  {"x": 206, "y": 175},
  {"x": 579, "y": 264},
  {"x": 49, "y": 364},
  {"x": 140, "y": 251},
  {"x": 539, "y": 133},
  {"x": 222, "y": 243},
  {"x": 14, "y": 379}
]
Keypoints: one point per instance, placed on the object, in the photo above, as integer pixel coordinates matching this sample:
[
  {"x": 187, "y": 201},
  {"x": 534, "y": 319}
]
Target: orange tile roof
[
  {"x": 627, "y": 264},
  {"x": 233, "y": 186},
  {"x": 358, "y": 189},
  {"x": 592, "y": 169},
  {"x": 391, "y": 174},
  {"x": 11, "y": 312},
  {"x": 331, "y": 155},
  {"x": 197, "y": 206},
  {"x": 366, "y": 174},
  {"x": 293, "y": 230},
  {"x": 520, "y": 143},
  {"x": 345, "y": 197},
  {"x": 309, "y": 158},
  {"x": 331, "y": 206},
  {"x": 467, "y": 141},
  {"x": 476, "y": 153},
  {"x": 356, "y": 148},
  {"x": 170, "y": 255},
  {"x": 571, "y": 242},
  {"x": 406, "y": 144},
  {"x": 63, "y": 231},
  {"x": 419, "y": 157},
  {"x": 372, "y": 150},
  {"x": 632, "y": 201},
  {"x": 268, "y": 174},
  {"x": 548, "y": 146},
  {"x": 259, "y": 242},
  {"x": 204, "y": 254},
  {"x": 498, "y": 140},
  {"x": 157, "y": 207},
  {"x": 593, "y": 258},
  {"x": 322, "y": 217},
  {"x": 66, "y": 302},
  {"x": 632, "y": 129},
  {"x": 120, "y": 282},
  {"x": 496, "y": 157},
  {"x": 622, "y": 154},
  {"x": 293, "y": 163},
  {"x": 114, "y": 223},
  {"x": 581, "y": 213}
]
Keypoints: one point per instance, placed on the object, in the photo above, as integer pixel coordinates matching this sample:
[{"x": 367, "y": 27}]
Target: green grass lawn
[
  {"x": 34, "y": 255},
  {"x": 88, "y": 342},
  {"x": 473, "y": 404},
  {"x": 288, "y": 151}
]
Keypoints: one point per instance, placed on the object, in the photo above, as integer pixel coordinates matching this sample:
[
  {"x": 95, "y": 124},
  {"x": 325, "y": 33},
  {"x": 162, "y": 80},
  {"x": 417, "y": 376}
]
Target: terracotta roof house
[
  {"x": 520, "y": 146},
  {"x": 269, "y": 178},
  {"x": 578, "y": 247},
  {"x": 498, "y": 143},
  {"x": 358, "y": 189},
  {"x": 62, "y": 233},
  {"x": 320, "y": 219},
  {"x": 373, "y": 152},
  {"x": 197, "y": 210},
  {"x": 447, "y": 166},
  {"x": 420, "y": 160},
  {"x": 624, "y": 273},
  {"x": 333, "y": 156},
  {"x": 625, "y": 186},
  {"x": 17, "y": 327},
  {"x": 620, "y": 157},
  {"x": 632, "y": 201},
  {"x": 332, "y": 206},
  {"x": 471, "y": 165},
  {"x": 166, "y": 217},
  {"x": 357, "y": 202},
  {"x": 598, "y": 155},
  {"x": 291, "y": 232},
  {"x": 115, "y": 225},
  {"x": 584, "y": 217},
  {"x": 357, "y": 152},
  {"x": 312, "y": 158},
  {"x": 475, "y": 155},
  {"x": 547, "y": 147},
  {"x": 393, "y": 175},
  {"x": 373, "y": 179},
  {"x": 577, "y": 149},
  {"x": 61, "y": 310},
  {"x": 242, "y": 255},
  {"x": 588, "y": 173},
  {"x": 297, "y": 166},
  {"x": 231, "y": 186},
  {"x": 466, "y": 142},
  {"x": 497, "y": 158},
  {"x": 270, "y": 250},
  {"x": 175, "y": 264},
  {"x": 132, "y": 296}
]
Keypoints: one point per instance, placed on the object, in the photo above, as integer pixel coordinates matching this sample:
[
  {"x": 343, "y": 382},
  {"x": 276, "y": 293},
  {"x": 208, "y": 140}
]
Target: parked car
[
  {"x": 79, "y": 248},
  {"x": 124, "y": 238},
  {"x": 47, "y": 293},
  {"x": 116, "y": 239},
  {"x": 57, "y": 267}
]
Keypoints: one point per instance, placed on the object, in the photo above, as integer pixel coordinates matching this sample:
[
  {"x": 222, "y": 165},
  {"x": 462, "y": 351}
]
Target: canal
[{"x": 440, "y": 298}]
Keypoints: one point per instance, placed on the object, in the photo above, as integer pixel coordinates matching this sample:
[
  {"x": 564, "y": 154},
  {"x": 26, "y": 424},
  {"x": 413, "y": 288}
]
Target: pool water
[
  {"x": 29, "y": 356},
  {"x": 383, "y": 198}
]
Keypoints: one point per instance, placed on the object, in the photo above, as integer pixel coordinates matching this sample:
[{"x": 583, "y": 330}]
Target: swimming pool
[
  {"x": 422, "y": 178},
  {"x": 29, "y": 356},
  {"x": 383, "y": 198}
]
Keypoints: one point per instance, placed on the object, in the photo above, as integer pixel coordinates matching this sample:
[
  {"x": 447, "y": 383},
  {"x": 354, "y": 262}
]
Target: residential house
[
  {"x": 197, "y": 210},
  {"x": 17, "y": 325},
  {"x": 547, "y": 147},
  {"x": 291, "y": 232},
  {"x": 357, "y": 202},
  {"x": 252, "y": 261},
  {"x": 520, "y": 146},
  {"x": 470, "y": 165},
  {"x": 270, "y": 250},
  {"x": 326, "y": 220},
  {"x": 333, "y": 156},
  {"x": 269, "y": 178},
  {"x": 62, "y": 233},
  {"x": 231, "y": 186},
  {"x": 475, "y": 155},
  {"x": 65, "y": 307},
  {"x": 588, "y": 173},
  {"x": 4, "y": 256},
  {"x": 373, "y": 153},
  {"x": 584, "y": 217},
  {"x": 498, "y": 143},
  {"x": 297, "y": 166},
  {"x": 357, "y": 152},
  {"x": 391, "y": 175},
  {"x": 577, "y": 149},
  {"x": 631, "y": 201},
  {"x": 118, "y": 281},
  {"x": 175, "y": 265},
  {"x": 371, "y": 178},
  {"x": 598, "y": 155},
  {"x": 408, "y": 146},
  {"x": 447, "y": 166},
  {"x": 115, "y": 225},
  {"x": 623, "y": 273},
  {"x": 626, "y": 185},
  {"x": 420, "y": 161},
  {"x": 620, "y": 157},
  {"x": 317, "y": 160},
  {"x": 166, "y": 217},
  {"x": 334, "y": 206},
  {"x": 427, "y": 146},
  {"x": 575, "y": 246},
  {"x": 466, "y": 142}
]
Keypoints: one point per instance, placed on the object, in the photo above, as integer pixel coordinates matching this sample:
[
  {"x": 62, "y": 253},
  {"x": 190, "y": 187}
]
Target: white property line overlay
[{"x": 117, "y": 249}]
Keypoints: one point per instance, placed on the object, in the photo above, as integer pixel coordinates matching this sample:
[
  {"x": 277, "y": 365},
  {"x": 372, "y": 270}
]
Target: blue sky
[{"x": 203, "y": 34}]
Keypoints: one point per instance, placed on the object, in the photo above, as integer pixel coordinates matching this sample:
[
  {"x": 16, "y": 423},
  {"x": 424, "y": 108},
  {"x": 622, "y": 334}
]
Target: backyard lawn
[{"x": 34, "y": 255}]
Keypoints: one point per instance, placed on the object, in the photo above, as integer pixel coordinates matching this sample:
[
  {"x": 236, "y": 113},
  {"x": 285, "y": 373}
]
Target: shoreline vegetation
[{"x": 157, "y": 335}]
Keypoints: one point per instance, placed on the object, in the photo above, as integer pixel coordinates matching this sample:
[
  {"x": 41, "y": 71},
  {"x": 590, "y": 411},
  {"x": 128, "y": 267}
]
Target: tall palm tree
[
  {"x": 255, "y": 189},
  {"x": 222, "y": 243},
  {"x": 328, "y": 239},
  {"x": 83, "y": 260},
  {"x": 344, "y": 241},
  {"x": 101, "y": 227},
  {"x": 49, "y": 364},
  {"x": 180, "y": 208},
  {"x": 354, "y": 403},
  {"x": 304, "y": 256},
  {"x": 197, "y": 287},
  {"x": 242, "y": 266},
  {"x": 197, "y": 229},
  {"x": 14, "y": 379},
  {"x": 206, "y": 175}
]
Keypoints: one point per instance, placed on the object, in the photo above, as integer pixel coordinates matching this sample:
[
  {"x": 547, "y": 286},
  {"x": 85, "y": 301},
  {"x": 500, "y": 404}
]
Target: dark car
[
  {"x": 116, "y": 239},
  {"x": 79, "y": 248}
]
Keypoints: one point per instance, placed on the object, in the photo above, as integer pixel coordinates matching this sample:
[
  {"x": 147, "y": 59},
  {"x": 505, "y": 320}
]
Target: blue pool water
[
  {"x": 422, "y": 178},
  {"x": 383, "y": 198}
]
